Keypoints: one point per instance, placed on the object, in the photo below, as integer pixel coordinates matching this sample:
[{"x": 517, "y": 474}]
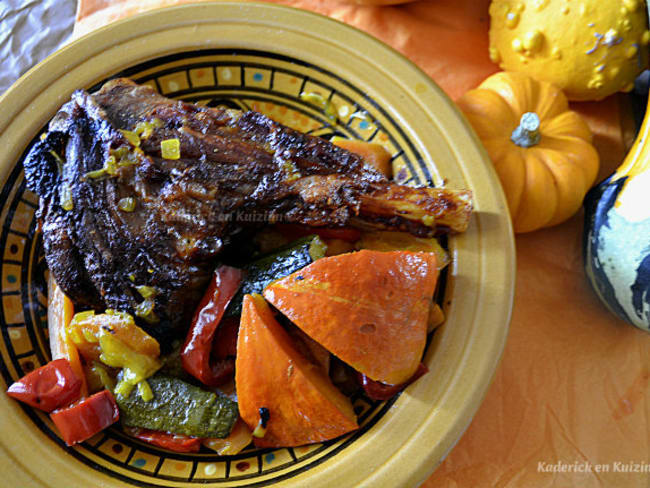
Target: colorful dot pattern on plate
[{"x": 247, "y": 80}]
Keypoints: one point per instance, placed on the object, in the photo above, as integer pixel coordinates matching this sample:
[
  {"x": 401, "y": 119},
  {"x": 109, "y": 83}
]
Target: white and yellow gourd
[{"x": 617, "y": 235}]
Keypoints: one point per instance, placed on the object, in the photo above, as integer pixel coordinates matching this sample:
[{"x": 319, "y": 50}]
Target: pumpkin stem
[{"x": 527, "y": 133}]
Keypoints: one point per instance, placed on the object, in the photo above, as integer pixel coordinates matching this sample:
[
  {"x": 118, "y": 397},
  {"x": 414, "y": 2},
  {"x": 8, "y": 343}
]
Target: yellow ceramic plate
[{"x": 261, "y": 57}]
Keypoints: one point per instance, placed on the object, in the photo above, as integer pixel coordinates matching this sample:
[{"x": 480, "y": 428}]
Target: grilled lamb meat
[{"x": 117, "y": 216}]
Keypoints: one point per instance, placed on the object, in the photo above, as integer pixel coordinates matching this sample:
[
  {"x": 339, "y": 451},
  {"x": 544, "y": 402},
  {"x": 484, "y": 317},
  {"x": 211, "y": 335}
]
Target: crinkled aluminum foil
[{"x": 29, "y": 31}]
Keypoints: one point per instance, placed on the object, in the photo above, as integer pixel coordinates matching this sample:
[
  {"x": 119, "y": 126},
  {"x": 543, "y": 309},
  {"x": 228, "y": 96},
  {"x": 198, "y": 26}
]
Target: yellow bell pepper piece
[
  {"x": 136, "y": 367},
  {"x": 85, "y": 329},
  {"x": 114, "y": 339}
]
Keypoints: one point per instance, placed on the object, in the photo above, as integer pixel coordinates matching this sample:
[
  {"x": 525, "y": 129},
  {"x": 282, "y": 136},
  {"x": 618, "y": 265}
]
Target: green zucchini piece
[
  {"x": 282, "y": 262},
  {"x": 179, "y": 408}
]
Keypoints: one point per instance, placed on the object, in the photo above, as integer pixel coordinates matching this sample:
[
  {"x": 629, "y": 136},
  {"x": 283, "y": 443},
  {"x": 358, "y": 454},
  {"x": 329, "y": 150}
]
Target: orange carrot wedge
[
  {"x": 284, "y": 399},
  {"x": 369, "y": 308},
  {"x": 60, "y": 311},
  {"x": 372, "y": 153}
]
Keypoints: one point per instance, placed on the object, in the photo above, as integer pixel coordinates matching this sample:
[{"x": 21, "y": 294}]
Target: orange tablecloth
[{"x": 571, "y": 393}]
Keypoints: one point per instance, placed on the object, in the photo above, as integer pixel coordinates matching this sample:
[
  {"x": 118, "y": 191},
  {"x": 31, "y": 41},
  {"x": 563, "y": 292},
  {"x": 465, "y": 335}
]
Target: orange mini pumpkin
[{"x": 540, "y": 149}]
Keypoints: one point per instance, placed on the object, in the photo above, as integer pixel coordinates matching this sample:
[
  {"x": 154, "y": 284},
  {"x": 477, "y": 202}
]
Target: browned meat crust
[{"x": 236, "y": 169}]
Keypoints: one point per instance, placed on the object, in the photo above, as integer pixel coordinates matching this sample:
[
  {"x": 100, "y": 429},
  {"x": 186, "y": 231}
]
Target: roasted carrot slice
[
  {"x": 369, "y": 308},
  {"x": 59, "y": 314},
  {"x": 372, "y": 153}
]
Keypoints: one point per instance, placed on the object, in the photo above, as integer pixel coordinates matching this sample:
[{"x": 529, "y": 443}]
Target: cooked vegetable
[
  {"x": 302, "y": 403},
  {"x": 59, "y": 160},
  {"x": 436, "y": 317},
  {"x": 144, "y": 129},
  {"x": 98, "y": 377},
  {"x": 368, "y": 308},
  {"x": 401, "y": 241},
  {"x": 179, "y": 408},
  {"x": 224, "y": 344},
  {"x": 617, "y": 233},
  {"x": 146, "y": 291},
  {"x": 146, "y": 311},
  {"x": 290, "y": 171},
  {"x": 173, "y": 442},
  {"x": 376, "y": 390},
  {"x": 126, "y": 156},
  {"x": 83, "y": 420},
  {"x": 239, "y": 438},
  {"x": 195, "y": 353},
  {"x": 308, "y": 347},
  {"x": 48, "y": 387},
  {"x": 109, "y": 169},
  {"x": 132, "y": 137},
  {"x": 170, "y": 149},
  {"x": 372, "y": 153},
  {"x": 394, "y": 241},
  {"x": 85, "y": 329},
  {"x": 540, "y": 149},
  {"x": 126, "y": 204},
  {"x": 60, "y": 311},
  {"x": 115, "y": 340},
  {"x": 136, "y": 367},
  {"x": 279, "y": 264}
]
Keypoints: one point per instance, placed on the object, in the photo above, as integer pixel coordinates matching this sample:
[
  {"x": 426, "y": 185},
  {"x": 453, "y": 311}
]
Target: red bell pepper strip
[
  {"x": 295, "y": 231},
  {"x": 172, "y": 442},
  {"x": 48, "y": 387},
  {"x": 376, "y": 390},
  {"x": 195, "y": 354},
  {"x": 225, "y": 340},
  {"x": 83, "y": 420}
]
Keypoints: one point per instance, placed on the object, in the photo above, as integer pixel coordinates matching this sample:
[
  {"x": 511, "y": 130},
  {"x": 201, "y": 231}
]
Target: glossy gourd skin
[
  {"x": 545, "y": 168},
  {"x": 589, "y": 49},
  {"x": 617, "y": 235}
]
